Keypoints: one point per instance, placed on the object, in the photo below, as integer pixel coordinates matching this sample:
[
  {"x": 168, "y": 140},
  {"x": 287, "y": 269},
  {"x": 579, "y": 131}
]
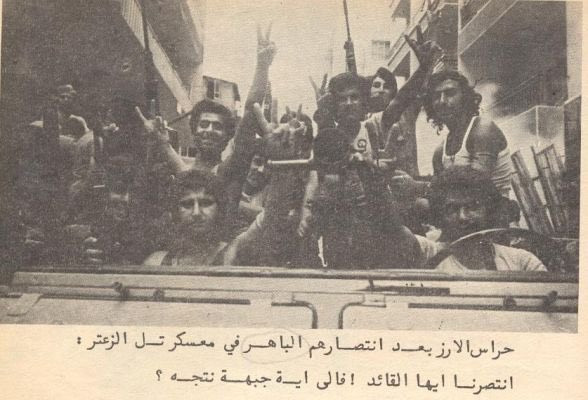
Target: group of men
[{"x": 269, "y": 191}]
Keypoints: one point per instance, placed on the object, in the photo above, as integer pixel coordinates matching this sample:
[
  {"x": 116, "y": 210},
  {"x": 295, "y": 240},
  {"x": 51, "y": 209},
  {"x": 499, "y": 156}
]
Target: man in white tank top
[
  {"x": 471, "y": 140},
  {"x": 451, "y": 103}
]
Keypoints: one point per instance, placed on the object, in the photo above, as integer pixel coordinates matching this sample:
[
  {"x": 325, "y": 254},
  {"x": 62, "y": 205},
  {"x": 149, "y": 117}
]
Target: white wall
[{"x": 574, "y": 44}]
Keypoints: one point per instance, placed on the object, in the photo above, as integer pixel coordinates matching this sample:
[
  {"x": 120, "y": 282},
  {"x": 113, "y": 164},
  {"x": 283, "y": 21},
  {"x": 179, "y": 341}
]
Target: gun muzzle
[
  {"x": 309, "y": 163},
  {"x": 303, "y": 163}
]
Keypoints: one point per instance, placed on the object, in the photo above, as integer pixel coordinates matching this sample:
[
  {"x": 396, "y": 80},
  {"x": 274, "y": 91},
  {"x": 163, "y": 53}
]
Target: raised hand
[
  {"x": 155, "y": 129},
  {"x": 289, "y": 114},
  {"x": 282, "y": 141},
  {"x": 266, "y": 49},
  {"x": 427, "y": 52},
  {"x": 293, "y": 114},
  {"x": 319, "y": 91},
  {"x": 324, "y": 115}
]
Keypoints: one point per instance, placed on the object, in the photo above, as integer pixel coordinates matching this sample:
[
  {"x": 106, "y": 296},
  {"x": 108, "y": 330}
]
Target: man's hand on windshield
[
  {"x": 86, "y": 247},
  {"x": 92, "y": 251}
]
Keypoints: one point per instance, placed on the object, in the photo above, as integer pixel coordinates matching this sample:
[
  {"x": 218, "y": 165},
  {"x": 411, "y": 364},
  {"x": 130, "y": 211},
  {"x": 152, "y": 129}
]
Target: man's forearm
[
  {"x": 279, "y": 232},
  {"x": 405, "y": 96},
  {"x": 258, "y": 87},
  {"x": 234, "y": 167},
  {"x": 174, "y": 159}
]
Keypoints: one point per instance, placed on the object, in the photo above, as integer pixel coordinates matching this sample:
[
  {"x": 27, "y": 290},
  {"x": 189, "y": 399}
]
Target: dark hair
[
  {"x": 389, "y": 80},
  {"x": 197, "y": 179},
  {"x": 471, "y": 99},
  {"x": 460, "y": 177},
  {"x": 346, "y": 80},
  {"x": 210, "y": 106}
]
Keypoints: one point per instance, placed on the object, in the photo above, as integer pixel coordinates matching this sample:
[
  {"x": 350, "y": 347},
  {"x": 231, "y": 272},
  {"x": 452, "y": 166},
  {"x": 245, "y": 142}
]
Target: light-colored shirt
[{"x": 505, "y": 258}]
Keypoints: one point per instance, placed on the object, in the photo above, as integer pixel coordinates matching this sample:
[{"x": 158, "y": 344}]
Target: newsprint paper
[{"x": 270, "y": 199}]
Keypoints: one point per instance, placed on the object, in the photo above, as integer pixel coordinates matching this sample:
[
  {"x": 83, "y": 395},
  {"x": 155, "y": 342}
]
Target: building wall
[
  {"x": 574, "y": 48},
  {"x": 224, "y": 92},
  {"x": 88, "y": 43},
  {"x": 526, "y": 59},
  {"x": 520, "y": 55}
]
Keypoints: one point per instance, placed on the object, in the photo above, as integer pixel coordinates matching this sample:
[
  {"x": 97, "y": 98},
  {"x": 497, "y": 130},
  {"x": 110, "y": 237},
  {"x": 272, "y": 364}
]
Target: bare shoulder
[{"x": 486, "y": 137}]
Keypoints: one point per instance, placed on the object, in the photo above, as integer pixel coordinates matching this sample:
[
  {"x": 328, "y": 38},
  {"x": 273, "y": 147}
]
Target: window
[{"x": 380, "y": 49}]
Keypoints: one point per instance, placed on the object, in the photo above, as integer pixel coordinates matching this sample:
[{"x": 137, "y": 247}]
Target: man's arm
[
  {"x": 425, "y": 53},
  {"x": 310, "y": 192},
  {"x": 486, "y": 141},
  {"x": 406, "y": 184},
  {"x": 324, "y": 114},
  {"x": 233, "y": 170},
  {"x": 438, "y": 160},
  {"x": 488, "y": 146},
  {"x": 157, "y": 134},
  {"x": 248, "y": 210},
  {"x": 486, "y": 137},
  {"x": 274, "y": 231},
  {"x": 236, "y": 164}
]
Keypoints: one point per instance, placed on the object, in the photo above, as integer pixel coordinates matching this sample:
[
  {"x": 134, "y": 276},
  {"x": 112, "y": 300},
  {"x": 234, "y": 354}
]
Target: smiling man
[{"x": 212, "y": 127}]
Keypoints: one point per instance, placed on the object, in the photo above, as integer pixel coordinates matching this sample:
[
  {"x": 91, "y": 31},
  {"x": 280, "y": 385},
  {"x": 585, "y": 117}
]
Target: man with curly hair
[
  {"x": 464, "y": 200},
  {"x": 194, "y": 232},
  {"x": 472, "y": 139},
  {"x": 451, "y": 103}
]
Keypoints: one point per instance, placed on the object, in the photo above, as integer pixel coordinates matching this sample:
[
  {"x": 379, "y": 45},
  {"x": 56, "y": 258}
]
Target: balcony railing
[
  {"x": 419, "y": 18},
  {"x": 469, "y": 9},
  {"x": 536, "y": 90}
]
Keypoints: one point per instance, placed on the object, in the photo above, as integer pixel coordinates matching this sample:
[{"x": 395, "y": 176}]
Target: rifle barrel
[
  {"x": 347, "y": 19},
  {"x": 145, "y": 26},
  {"x": 151, "y": 91},
  {"x": 307, "y": 163},
  {"x": 179, "y": 117},
  {"x": 291, "y": 163}
]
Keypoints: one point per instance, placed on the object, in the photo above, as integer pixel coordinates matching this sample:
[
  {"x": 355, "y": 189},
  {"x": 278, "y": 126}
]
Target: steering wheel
[{"x": 543, "y": 247}]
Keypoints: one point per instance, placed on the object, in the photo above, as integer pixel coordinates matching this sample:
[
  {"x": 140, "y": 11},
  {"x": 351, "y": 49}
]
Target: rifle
[
  {"x": 349, "y": 50},
  {"x": 151, "y": 83}
]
